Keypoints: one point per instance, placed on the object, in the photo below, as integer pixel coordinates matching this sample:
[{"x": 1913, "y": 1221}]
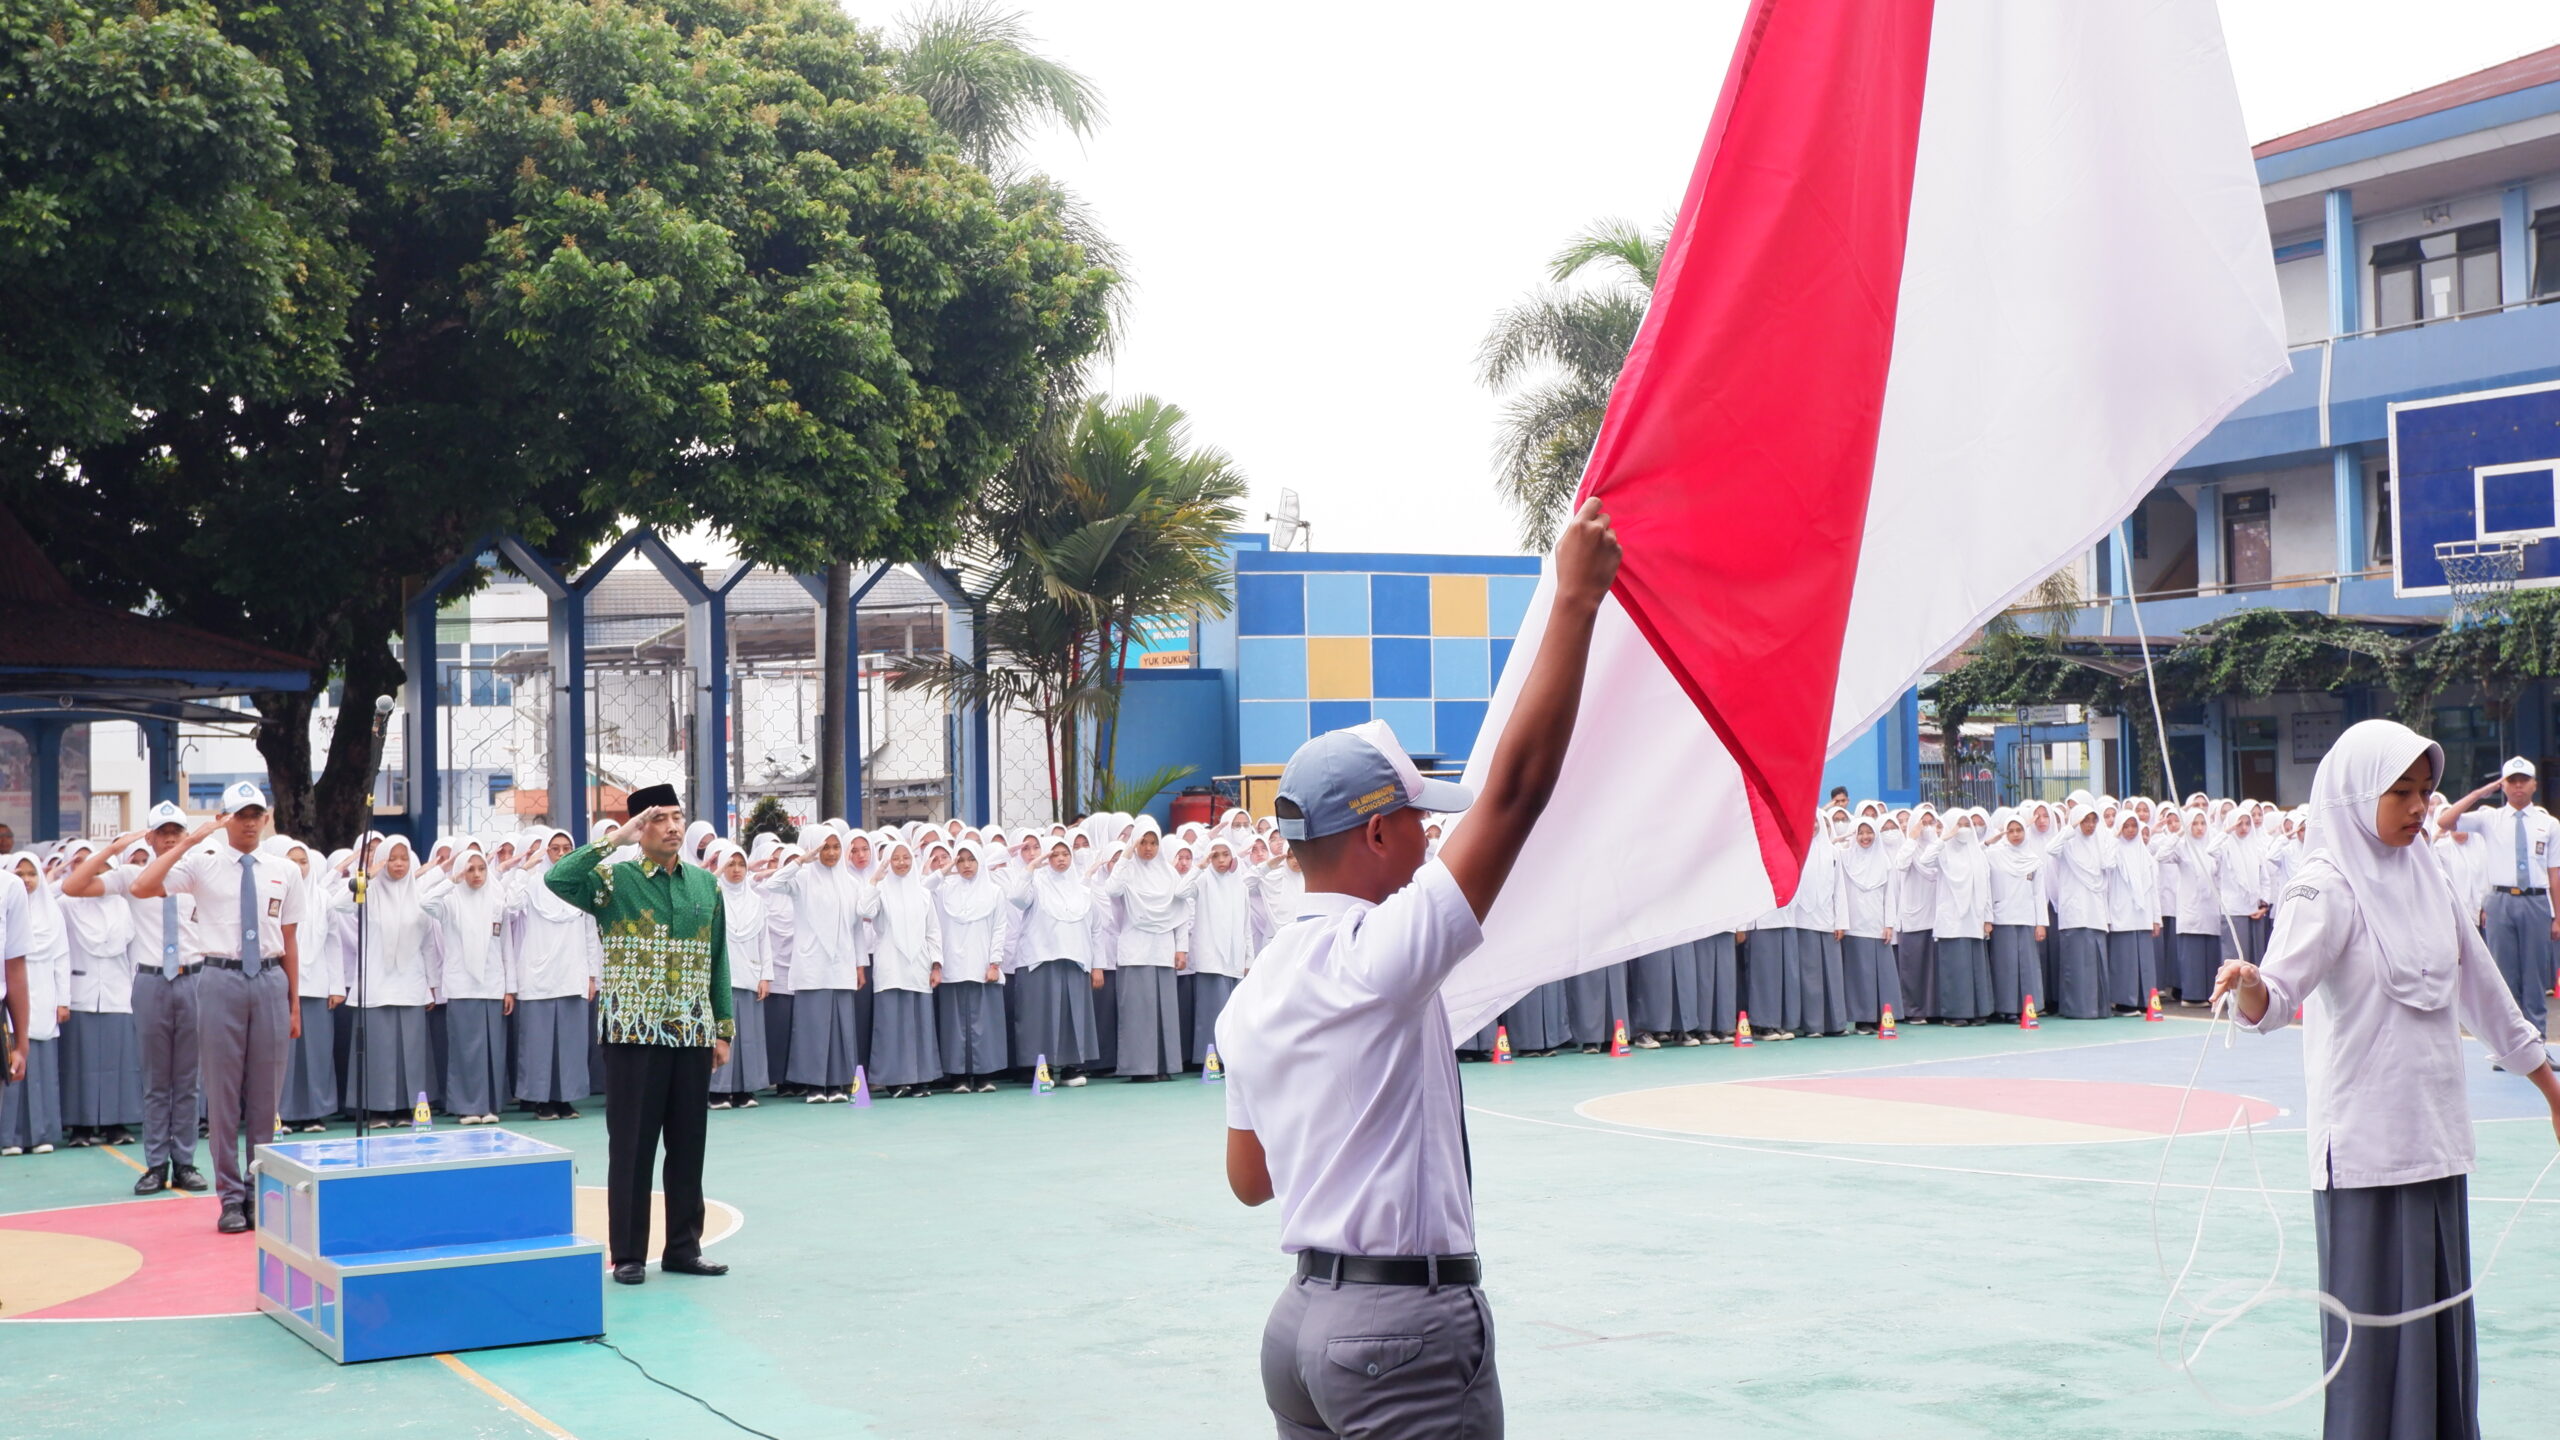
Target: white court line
[{"x": 1912, "y": 1164}]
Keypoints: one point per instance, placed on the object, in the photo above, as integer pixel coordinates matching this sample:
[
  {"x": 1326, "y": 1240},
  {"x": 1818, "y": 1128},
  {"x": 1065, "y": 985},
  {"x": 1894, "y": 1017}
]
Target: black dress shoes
[
  {"x": 630, "y": 1272},
  {"x": 153, "y": 1181},
  {"x": 695, "y": 1266},
  {"x": 234, "y": 1221},
  {"x": 187, "y": 1178}
]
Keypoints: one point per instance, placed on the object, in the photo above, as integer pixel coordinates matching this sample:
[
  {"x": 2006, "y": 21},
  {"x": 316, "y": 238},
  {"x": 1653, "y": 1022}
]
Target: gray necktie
[
  {"x": 2524, "y": 872},
  {"x": 251, "y": 962},
  {"x": 168, "y": 937}
]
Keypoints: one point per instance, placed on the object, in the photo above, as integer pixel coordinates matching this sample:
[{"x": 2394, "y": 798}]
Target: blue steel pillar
[
  {"x": 2515, "y": 247},
  {"x": 2208, "y": 539},
  {"x": 2346, "y": 490},
  {"x": 2121, "y": 557},
  {"x": 163, "y": 738},
  {"x": 2346, "y": 277},
  {"x": 44, "y": 800},
  {"x": 418, "y": 693}
]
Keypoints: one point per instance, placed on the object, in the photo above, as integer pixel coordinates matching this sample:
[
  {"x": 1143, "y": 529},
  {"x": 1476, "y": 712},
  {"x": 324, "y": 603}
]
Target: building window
[
  {"x": 2382, "y": 518},
  {"x": 2546, "y": 251},
  {"x": 2436, "y": 277},
  {"x": 2248, "y": 542},
  {"x": 2139, "y": 523}
]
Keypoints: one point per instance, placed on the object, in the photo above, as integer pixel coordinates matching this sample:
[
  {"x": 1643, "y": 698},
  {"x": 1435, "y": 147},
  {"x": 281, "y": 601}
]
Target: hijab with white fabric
[
  {"x": 906, "y": 926},
  {"x": 2400, "y": 893}
]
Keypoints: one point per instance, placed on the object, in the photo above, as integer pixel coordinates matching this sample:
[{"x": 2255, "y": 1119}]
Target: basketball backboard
[{"x": 2482, "y": 466}]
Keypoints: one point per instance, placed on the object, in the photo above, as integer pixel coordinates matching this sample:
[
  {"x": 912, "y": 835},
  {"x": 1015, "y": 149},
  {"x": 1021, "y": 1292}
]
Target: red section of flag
[{"x": 1741, "y": 437}]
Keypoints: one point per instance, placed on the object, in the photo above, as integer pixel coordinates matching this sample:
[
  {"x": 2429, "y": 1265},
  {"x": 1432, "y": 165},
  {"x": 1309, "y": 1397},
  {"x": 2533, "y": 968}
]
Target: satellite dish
[{"x": 1286, "y": 526}]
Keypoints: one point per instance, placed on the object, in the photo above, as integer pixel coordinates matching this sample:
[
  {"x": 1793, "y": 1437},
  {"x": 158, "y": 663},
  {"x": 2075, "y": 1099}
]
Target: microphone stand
[{"x": 357, "y": 877}]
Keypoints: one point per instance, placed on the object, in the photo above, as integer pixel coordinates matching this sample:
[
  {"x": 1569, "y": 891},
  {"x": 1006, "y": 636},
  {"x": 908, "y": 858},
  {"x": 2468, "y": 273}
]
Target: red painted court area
[
  {"x": 188, "y": 1268},
  {"x": 2149, "y": 1108}
]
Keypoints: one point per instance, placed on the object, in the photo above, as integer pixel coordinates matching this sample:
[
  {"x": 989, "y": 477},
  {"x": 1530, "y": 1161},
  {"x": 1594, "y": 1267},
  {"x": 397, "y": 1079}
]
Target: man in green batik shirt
[{"x": 662, "y": 1014}]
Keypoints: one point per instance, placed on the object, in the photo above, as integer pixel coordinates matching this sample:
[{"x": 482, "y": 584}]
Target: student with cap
[
  {"x": 163, "y": 1001},
  {"x": 663, "y": 1014},
  {"x": 1342, "y": 1085},
  {"x": 242, "y": 929},
  {"x": 2515, "y": 850}
]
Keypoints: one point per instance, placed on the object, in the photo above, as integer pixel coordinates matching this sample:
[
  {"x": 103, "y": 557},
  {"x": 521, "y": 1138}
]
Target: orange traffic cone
[
  {"x": 1742, "y": 1028},
  {"x": 2027, "y": 1015},
  {"x": 2152, "y": 1010},
  {"x": 1618, "y": 1041},
  {"x": 1501, "y": 1045},
  {"x": 1884, "y": 1027}
]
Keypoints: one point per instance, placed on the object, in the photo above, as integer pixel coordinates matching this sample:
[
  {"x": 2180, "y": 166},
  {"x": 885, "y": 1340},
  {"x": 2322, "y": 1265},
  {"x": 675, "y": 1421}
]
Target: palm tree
[
  {"x": 1110, "y": 524},
  {"x": 1556, "y": 357}
]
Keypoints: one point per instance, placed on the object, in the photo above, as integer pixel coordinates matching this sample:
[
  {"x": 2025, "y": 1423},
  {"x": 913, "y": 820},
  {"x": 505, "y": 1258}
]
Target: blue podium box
[{"x": 413, "y": 1244}]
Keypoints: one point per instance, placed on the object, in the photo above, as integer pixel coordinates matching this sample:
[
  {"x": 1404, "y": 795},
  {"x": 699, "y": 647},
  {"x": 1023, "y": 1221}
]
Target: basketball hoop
[{"x": 2482, "y": 575}]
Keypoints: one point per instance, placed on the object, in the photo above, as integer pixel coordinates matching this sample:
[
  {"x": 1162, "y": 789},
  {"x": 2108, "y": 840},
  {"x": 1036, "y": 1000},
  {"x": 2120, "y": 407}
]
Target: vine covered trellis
[{"x": 2255, "y": 653}]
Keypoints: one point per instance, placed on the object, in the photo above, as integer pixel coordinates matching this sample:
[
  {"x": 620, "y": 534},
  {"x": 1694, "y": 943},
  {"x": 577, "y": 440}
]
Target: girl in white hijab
[
  {"x": 969, "y": 1005},
  {"x": 2380, "y": 955},
  {"x": 397, "y": 986},
  {"x": 1221, "y": 940},
  {"x": 826, "y": 898},
  {"x": 769, "y": 855},
  {"x": 309, "y": 1095},
  {"x": 906, "y": 966},
  {"x": 2133, "y": 918},
  {"x": 2082, "y": 863},
  {"x": 1053, "y": 992},
  {"x": 742, "y": 915},
  {"x": 1155, "y": 908},
  {"x": 101, "y": 1051},
  {"x": 2017, "y": 916},
  {"x": 472, "y": 968},
  {"x": 31, "y": 1110},
  {"x": 2240, "y": 885},
  {"x": 2194, "y": 950},
  {"x": 1916, "y": 914},
  {"x": 1960, "y": 922},
  {"x": 559, "y": 959},
  {"x": 1867, "y": 897}
]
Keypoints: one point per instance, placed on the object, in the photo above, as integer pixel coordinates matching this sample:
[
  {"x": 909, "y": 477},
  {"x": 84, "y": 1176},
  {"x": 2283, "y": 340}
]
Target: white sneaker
[
  {"x": 45, "y": 1149},
  {"x": 1073, "y": 1082},
  {"x": 11, "y": 1150},
  {"x": 1647, "y": 1042},
  {"x": 815, "y": 1097},
  {"x": 749, "y": 1103}
]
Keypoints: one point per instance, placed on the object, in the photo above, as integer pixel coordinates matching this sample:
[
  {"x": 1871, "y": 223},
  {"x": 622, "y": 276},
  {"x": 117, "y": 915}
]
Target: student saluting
[{"x": 1342, "y": 1084}]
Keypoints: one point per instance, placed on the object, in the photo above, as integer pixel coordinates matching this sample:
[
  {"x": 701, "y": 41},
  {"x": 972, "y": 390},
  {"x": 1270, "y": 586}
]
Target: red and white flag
[{"x": 1954, "y": 284}]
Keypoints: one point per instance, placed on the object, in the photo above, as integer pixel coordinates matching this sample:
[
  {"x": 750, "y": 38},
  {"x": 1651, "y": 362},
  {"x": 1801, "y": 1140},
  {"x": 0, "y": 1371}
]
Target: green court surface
[{"x": 1071, "y": 1266}]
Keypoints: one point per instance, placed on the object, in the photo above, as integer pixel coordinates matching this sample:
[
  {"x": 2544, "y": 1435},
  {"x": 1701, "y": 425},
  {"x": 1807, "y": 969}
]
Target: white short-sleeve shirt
[
  {"x": 1337, "y": 1056},
  {"x": 211, "y": 874},
  {"x": 2496, "y": 845}
]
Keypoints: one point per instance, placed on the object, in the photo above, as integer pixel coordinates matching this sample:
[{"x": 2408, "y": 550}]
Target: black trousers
[{"x": 652, "y": 1090}]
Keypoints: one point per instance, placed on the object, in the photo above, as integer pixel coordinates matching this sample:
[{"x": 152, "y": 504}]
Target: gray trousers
[
  {"x": 2519, "y": 934},
  {"x": 164, "y": 1026},
  {"x": 1402, "y": 1361},
  {"x": 246, "y": 1026}
]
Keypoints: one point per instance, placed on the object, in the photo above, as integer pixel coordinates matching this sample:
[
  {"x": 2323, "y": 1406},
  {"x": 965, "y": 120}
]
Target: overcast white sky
[{"x": 1325, "y": 203}]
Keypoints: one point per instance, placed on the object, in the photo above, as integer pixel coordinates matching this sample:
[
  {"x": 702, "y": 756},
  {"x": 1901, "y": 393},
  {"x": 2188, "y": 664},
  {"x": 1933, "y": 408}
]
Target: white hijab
[
  {"x": 975, "y": 898},
  {"x": 2399, "y": 891},
  {"x": 1867, "y": 867},
  {"x": 741, "y": 903}
]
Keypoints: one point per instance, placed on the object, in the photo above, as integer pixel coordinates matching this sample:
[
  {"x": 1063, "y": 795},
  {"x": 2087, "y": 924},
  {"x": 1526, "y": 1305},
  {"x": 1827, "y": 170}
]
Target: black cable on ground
[{"x": 680, "y": 1390}]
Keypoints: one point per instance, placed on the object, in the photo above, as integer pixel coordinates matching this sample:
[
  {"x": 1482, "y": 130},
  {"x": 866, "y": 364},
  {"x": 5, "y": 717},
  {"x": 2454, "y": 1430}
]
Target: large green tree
[
  {"x": 1554, "y": 357},
  {"x": 529, "y": 265}
]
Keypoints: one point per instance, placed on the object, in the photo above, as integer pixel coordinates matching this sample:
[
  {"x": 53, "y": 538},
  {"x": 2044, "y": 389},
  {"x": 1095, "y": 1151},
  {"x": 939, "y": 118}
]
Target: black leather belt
[
  {"x": 184, "y": 969},
  {"x": 1390, "y": 1269},
  {"x": 2513, "y": 890},
  {"x": 225, "y": 962}
]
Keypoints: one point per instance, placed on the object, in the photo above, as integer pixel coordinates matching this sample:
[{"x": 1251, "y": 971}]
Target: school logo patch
[{"x": 2300, "y": 892}]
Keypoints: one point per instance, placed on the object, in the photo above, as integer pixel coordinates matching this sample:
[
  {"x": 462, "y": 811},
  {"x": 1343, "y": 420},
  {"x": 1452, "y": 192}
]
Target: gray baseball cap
[{"x": 1343, "y": 778}]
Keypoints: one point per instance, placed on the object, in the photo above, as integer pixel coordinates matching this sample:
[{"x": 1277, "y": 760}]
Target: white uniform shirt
[
  {"x": 2389, "y": 1103},
  {"x": 2493, "y": 845},
  {"x": 211, "y": 875},
  {"x": 1338, "y": 1058},
  {"x": 150, "y": 938},
  {"x": 13, "y": 926}
]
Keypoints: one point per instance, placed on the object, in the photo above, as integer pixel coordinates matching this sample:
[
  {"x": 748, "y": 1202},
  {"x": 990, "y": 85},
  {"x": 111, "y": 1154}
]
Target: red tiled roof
[
  {"x": 2522, "y": 73},
  {"x": 45, "y": 625}
]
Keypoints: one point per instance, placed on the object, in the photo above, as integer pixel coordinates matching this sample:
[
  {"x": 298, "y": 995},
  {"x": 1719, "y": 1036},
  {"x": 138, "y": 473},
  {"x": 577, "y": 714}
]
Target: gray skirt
[
  {"x": 475, "y": 1056},
  {"x": 1915, "y": 959},
  {"x": 310, "y": 1092},
  {"x": 551, "y": 1050},
  {"x": 2017, "y": 969},
  {"x": 2080, "y": 960},
  {"x": 31, "y": 1110},
  {"x": 1106, "y": 1021},
  {"x": 1204, "y": 998},
  {"x": 1538, "y": 1020},
  {"x": 1053, "y": 1016},
  {"x": 826, "y": 1040},
  {"x": 1822, "y": 988},
  {"x": 2132, "y": 970},
  {"x": 1720, "y": 975},
  {"x": 398, "y": 1063},
  {"x": 745, "y": 1073},
  {"x": 1596, "y": 1002},
  {"x": 101, "y": 1070},
  {"x": 905, "y": 1046},
  {"x": 1768, "y": 961},
  {"x": 969, "y": 1018},
  {"x": 2240, "y": 939},
  {"x": 1963, "y": 967},
  {"x": 1150, "y": 1021},
  {"x": 1868, "y": 973},
  {"x": 1653, "y": 991},
  {"x": 2385, "y": 1249},
  {"x": 2199, "y": 960},
  {"x": 774, "y": 1025}
]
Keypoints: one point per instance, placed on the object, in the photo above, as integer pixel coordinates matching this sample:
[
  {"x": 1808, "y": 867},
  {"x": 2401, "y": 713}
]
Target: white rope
[{"x": 2208, "y": 1307}]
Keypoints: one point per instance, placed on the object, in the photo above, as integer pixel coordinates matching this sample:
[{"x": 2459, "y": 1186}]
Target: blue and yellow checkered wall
[{"x": 1363, "y": 638}]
